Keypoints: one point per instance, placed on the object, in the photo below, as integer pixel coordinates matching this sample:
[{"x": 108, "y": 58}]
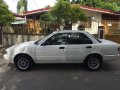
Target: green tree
[
  {"x": 105, "y": 4},
  {"x": 73, "y": 1},
  {"x": 47, "y": 6},
  {"x": 6, "y": 16},
  {"x": 91, "y": 3},
  {"x": 22, "y": 6},
  {"x": 63, "y": 13},
  {"x": 110, "y": 6},
  {"x": 76, "y": 1}
]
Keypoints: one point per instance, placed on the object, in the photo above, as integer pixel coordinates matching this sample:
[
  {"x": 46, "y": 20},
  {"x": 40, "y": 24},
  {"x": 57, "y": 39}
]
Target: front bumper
[{"x": 9, "y": 58}]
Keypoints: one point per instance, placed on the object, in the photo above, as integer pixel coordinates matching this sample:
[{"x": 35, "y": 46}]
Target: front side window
[{"x": 57, "y": 39}]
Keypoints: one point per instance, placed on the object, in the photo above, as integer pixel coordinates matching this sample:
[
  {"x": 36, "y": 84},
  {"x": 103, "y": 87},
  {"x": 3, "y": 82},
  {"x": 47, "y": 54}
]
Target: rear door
[{"x": 78, "y": 46}]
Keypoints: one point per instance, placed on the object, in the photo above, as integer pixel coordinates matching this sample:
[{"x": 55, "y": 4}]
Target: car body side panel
[
  {"x": 77, "y": 53},
  {"x": 21, "y": 49},
  {"x": 50, "y": 54}
]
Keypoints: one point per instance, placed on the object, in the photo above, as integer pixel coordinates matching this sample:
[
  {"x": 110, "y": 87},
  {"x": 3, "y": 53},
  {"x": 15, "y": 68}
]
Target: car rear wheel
[
  {"x": 94, "y": 62},
  {"x": 23, "y": 62}
]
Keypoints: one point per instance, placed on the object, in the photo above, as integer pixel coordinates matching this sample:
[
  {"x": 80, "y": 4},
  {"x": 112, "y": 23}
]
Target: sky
[{"x": 32, "y": 4}]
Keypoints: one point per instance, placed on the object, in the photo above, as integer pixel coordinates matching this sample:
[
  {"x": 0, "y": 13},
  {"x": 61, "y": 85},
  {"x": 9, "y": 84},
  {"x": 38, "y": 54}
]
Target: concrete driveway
[{"x": 60, "y": 77}]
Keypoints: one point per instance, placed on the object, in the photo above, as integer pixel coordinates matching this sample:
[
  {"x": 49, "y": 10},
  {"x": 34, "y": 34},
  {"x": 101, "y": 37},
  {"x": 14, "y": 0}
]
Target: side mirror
[{"x": 43, "y": 44}]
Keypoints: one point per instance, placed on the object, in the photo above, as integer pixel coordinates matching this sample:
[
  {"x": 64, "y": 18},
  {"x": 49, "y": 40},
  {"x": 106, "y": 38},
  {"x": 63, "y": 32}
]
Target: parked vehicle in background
[{"x": 69, "y": 46}]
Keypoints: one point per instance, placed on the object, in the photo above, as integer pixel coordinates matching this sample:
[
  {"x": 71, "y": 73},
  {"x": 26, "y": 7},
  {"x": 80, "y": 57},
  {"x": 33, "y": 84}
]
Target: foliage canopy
[
  {"x": 104, "y": 4},
  {"x": 63, "y": 12},
  {"x": 22, "y": 6},
  {"x": 6, "y": 16}
]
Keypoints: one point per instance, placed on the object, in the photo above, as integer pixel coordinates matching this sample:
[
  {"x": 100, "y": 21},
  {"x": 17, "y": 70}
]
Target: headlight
[{"x": 4, "y": 52}]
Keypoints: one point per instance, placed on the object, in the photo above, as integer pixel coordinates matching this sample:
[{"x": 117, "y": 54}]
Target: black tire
[
  {"x": 94, "y": 62},
  {"x": 23, "y": 63}
]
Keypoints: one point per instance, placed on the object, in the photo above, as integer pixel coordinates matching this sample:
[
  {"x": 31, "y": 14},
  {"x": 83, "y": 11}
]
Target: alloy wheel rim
[
  {"x": 93, "y": 63},
  {"x": 23, "y": 63}
]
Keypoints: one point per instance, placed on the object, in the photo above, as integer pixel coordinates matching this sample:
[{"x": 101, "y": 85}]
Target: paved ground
[{"x": 60, "y": 77}]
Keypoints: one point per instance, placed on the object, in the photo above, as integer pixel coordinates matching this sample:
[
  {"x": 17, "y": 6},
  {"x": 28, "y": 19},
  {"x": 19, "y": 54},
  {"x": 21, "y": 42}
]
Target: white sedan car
[{"x": 63, "y": 47}]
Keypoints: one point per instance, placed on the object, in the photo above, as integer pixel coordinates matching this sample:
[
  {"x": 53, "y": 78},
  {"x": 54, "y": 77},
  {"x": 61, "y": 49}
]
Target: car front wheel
[
  {"x": 94, "y": 62},
  {"x": 23, "y": 62}
]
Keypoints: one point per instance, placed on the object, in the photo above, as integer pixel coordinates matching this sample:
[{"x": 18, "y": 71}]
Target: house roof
[
  {"x": 98, "y": 10},
  {"x": 81, "y": 7},
  {"x": 36, "y": 11},
  {"x": 16, "y": 15}
]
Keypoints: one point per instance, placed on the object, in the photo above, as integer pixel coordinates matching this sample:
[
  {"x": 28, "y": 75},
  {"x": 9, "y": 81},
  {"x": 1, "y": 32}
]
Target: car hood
[
  {"x": 26, "y": 43},
  {"x": 104, "y": 41},
  {"x": 22, "y": 44}
]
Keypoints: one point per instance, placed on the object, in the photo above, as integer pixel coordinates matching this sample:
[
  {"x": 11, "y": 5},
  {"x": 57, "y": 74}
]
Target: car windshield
[{"x": 36, "y": 42}]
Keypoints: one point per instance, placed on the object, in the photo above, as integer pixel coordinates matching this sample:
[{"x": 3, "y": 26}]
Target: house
[
  {"x": 97, "y": 17},
  {"x": 100, "y": 17},
  {"x": 33, "y": 21},
  {"x": 101, "y": 22}
]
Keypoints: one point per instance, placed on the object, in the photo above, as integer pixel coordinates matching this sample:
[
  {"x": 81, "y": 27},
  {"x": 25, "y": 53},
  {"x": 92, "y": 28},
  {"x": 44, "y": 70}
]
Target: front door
[
  {"x": 53, "y": 50},
  {"x": 79, "y": 45}
]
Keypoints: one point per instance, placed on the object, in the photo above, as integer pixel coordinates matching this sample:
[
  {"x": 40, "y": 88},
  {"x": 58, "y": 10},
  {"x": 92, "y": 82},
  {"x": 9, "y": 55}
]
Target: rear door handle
[
  {"x": 61, "y": 47},
  {"x": 89, "y": 47}
]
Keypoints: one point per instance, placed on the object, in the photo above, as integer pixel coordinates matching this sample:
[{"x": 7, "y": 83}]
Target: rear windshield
[{"x": 96, "y": 38}]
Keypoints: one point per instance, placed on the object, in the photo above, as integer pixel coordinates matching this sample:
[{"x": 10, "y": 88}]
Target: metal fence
[{"x": 115, "y": 38}]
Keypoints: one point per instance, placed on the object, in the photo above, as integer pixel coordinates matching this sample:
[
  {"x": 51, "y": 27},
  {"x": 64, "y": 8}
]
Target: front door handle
[
  {"x": 61, "y": 47},
  {"x": 89, "y": 47}
]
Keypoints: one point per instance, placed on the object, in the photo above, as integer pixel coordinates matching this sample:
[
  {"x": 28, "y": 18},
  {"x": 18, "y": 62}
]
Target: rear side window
[{"x": 79, "y": 38}]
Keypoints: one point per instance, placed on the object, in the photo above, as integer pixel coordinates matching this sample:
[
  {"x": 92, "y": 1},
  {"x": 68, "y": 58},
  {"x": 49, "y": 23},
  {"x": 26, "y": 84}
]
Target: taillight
[{"x": 119, "y": 50}]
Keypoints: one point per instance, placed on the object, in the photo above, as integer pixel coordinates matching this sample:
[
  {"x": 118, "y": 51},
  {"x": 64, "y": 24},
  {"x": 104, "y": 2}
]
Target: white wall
[
  {"x": 94, "y": 23},
  {"x": 16, "y": 39}
]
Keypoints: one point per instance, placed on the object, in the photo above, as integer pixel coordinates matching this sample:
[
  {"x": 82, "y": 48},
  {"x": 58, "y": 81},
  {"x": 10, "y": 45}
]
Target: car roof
[{"x": 69, "y": 31}]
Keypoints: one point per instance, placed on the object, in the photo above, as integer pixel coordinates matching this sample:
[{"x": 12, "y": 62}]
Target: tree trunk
[
  {"x": 0, "y": 35},
  {"x": 68, "y": 26},
  {"x": 3, "y": 35}
]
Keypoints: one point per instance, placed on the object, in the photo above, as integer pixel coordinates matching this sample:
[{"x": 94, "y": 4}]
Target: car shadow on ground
[
  {"x": 68, "y": 67},
  {"x": 59, "y": 67},
  {"x": 107, "y": 66}
]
